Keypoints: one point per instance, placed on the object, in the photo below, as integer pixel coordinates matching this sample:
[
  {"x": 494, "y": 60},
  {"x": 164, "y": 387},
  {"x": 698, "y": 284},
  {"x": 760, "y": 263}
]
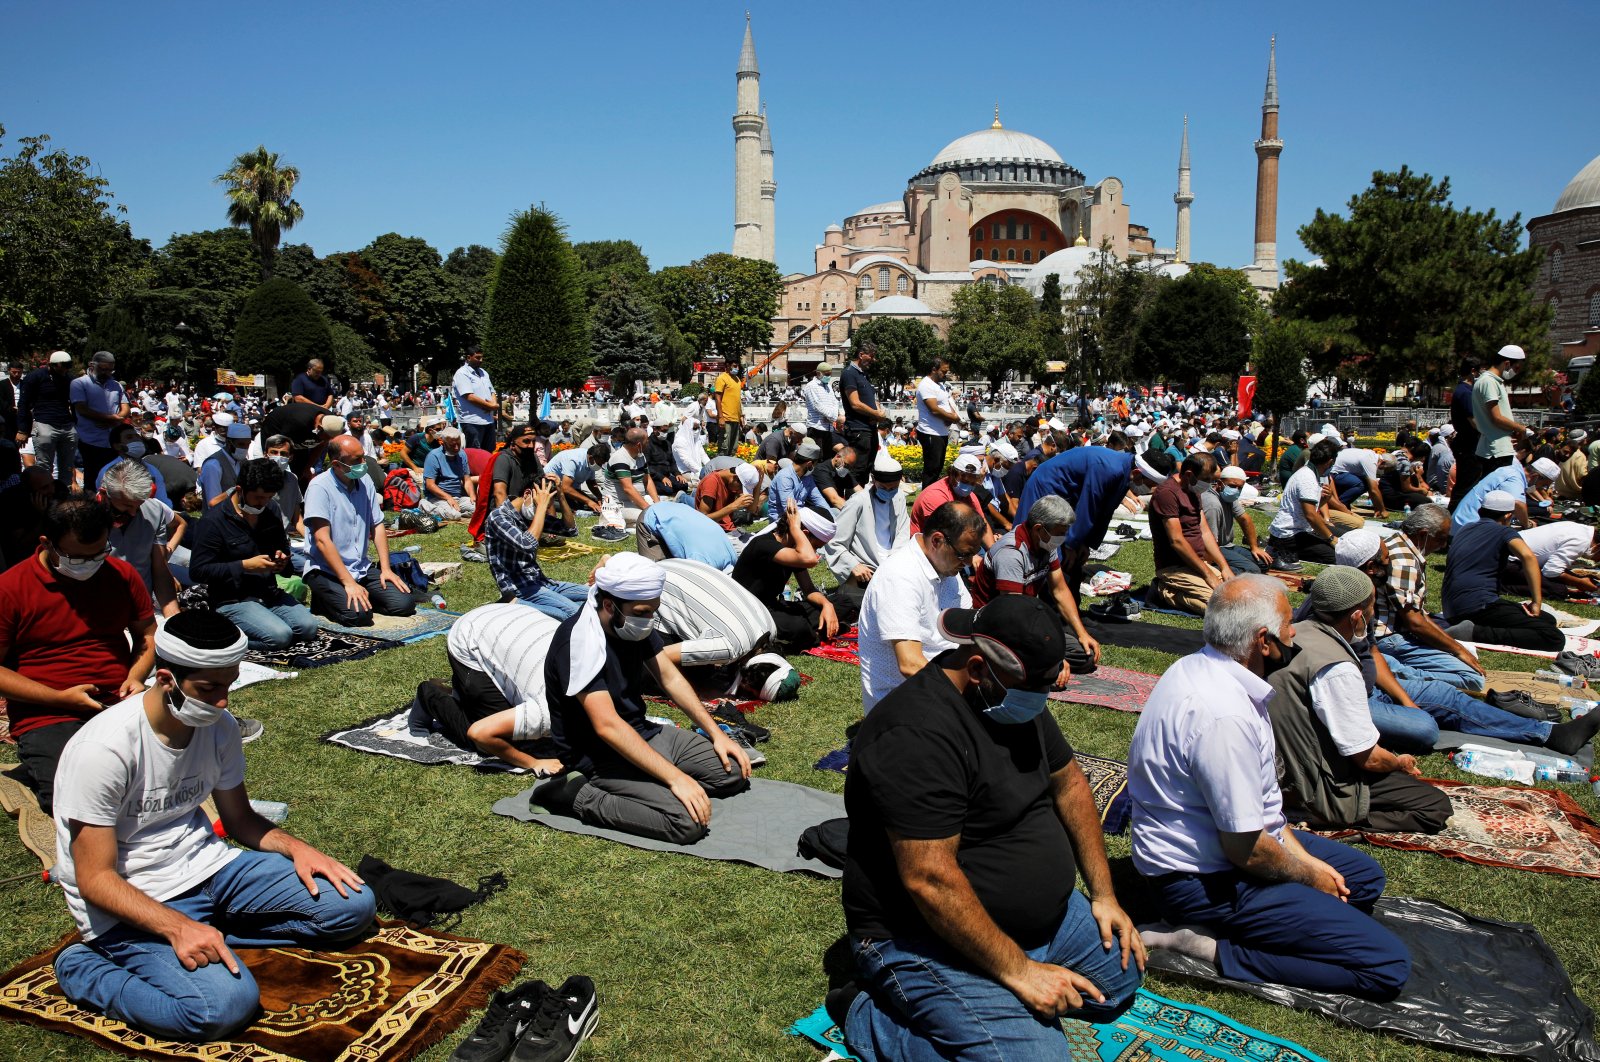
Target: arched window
[
  {"x": 1027, "y": 255},
  {"x": 900, "y": 284},
  {"x": 866, "y": 282},
  {"x": 883, "y": 278},
  {"x": 1558, "y": 265},
  {"x": 797, "y": 331},
  {"x": 1594, "y": 310},
  {"x": 976, "y": 255},
  {"x": 1011, "y": 254}
]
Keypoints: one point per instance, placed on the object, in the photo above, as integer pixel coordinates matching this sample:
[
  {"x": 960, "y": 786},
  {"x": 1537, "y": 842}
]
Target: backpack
[{"x": 400, "y": 491}]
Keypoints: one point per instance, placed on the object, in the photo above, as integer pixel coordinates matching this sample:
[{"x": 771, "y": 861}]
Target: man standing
[
  {"x": 99, "y": 403},
  {"x": 10, "y": 398},
  {"x": 936, "y": 414},
  {"x": 861, "y": 412},
  {"x": 823, "y": 414},
  {"x": 476, "y": 407},
  {"x": 969, "y": 824},
  {"x": 311, "y": 387},
  {"x": 1491, "y": 412},
  {"x": 342, "y": 515},
  {"x": 1189, "y": 566},
  {"x": 729, "y": 389},
  {"x": 44, "y": 413}
]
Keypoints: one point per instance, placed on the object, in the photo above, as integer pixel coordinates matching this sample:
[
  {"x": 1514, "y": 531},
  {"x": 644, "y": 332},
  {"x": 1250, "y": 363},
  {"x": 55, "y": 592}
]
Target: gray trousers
[
  {"x": 58, "y": 447},
  {"x": 619, "y": 796}
]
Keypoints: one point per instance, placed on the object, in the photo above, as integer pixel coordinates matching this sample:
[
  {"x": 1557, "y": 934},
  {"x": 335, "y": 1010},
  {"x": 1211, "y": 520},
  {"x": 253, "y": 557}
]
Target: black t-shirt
[
  {"x": 758, "y": 570},
  {"x": 774, "y": 446},
  {"x": 316, "y": 390},
  {"x": 826, "y": 476},
  {"x": 927, "y": 765},
  {"x": 508, "y": 469},
  {"x": 1251, "y": 457},
  {"x": 179, "y": 475},
  {"x": 853, "y": 380},
  {"x": 1016, "y": 476},
  {"x": 623, "y": 676},
  {"x": 1472, "y": 571},
  {"x": 296, "y": 422}
]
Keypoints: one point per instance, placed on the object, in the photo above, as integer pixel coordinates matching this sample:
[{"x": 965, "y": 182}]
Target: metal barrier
[{"x": 1371, "y": 420}]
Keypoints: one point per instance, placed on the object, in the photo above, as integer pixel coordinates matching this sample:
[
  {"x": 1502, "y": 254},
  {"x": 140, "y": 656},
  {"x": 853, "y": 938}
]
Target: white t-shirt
[
  {"x": 1339, "y": 699},
  {"x": 1557, "y": 544},
  {"x": 1362, "y": 464},
  {"x": 117, "y": 772},
  {"x": 927, "y": 423},
  {"x": 902, "y": 603},
  {"x": 1303, "y": 486},
  {"x": 508, "y": 643}
]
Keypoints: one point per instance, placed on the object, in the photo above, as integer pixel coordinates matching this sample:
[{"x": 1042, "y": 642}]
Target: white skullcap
[
  {"x": 966, "y": 463},
  {"x": 1232, "y": 472},
  {"x": 222, "y": 420},
  {"x": 1133, "y": 431},
  {"x": 799, "y": 426},
  {"x": 781, "y": 670},
  {"x": 60, "y": 357},
  {"x": 1356, "y": 547},
  {"x": 1230, "y": 435},
  {"x": 1330, "y": 432},
  {"x": 1447, "y": 431},
  {"x": 1511, "y": 351},
  {"x": 1547, "y": 468},
  {"x": 884, "y": 463},
  {"x": 1056, "y": 424},
  {"x": 1004, "y": 450},
  {"x": 240, "y": 431},
  {"x": 175, "y": 650},
  {"x": 1314, "y": 438},
  {"x": 1577, "y": 435},
  {"x": 1498, "y": 501},
  {"x": 749, "y": 477},
  {"x": 631, "y": 577},
  {"x": 817, "y": 526}
]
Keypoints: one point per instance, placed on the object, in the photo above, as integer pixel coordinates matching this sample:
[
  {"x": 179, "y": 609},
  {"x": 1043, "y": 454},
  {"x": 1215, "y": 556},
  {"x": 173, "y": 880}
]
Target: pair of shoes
[
  {"x": 249, "y": 730},
  {"x": 1283, "y": 560},
  {"x": 609, "y": 534},
  {"x": 1126, "y": 531},
  {"x": 534, "y": 1023},
  {"x": 1118, "y": 608},
  {"x": 1518, "y": 702},
  {"x": 470, "y": 554},
  {"x": 565, "y": 532},
  {"x": 1570, "y": 663},
  {"x": 756, "y": 756}
]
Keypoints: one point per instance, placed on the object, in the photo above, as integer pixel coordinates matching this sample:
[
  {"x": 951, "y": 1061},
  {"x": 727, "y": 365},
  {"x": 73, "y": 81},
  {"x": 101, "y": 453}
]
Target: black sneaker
[
  {"x": 565, "y": 532},
  {"x": 565, "y": 1019},
  {"x": 609, "y": 534},
  {"x": 508, "y": 1017},
  {"x": 756, "y": 757},
  {"x": 1283, "y": 560},
  {"x": 1518, "y": 702},
  {"x": 1118, "y": 608}
]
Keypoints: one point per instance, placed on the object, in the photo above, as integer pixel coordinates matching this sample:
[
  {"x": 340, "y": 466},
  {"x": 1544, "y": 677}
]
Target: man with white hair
[
  {"x": 1471, "y": 592},
  {"x": 157, "y": 895},
  {"x": 1027, "y": 560},
  {"x": 140, "y": 527},
  {"x": 628, "y": 773},
  {"x": 448, "y": 486},
  {"x": 789, "y": 550},
  {"x": 872, "y": 524},
  {"x": 1261, "y": 902}
]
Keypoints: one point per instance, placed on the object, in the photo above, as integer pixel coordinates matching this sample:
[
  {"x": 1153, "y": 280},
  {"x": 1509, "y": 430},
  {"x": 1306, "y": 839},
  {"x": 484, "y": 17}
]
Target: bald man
[{"x": 342, "y": 515}]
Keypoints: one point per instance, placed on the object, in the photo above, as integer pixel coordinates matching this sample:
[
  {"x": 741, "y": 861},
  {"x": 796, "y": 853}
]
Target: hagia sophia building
[{"x": 996, "y": 206}]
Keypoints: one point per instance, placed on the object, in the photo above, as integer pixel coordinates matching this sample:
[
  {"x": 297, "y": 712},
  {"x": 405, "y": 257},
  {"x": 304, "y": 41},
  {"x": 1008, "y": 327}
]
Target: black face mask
[{"x": 1271, "y": 664}]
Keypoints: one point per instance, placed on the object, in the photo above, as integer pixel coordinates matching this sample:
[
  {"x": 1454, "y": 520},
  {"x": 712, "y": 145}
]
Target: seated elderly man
[
  {"x": 970, "y": 823},
  {"x": 448, "y": 488},
  {"x": 872, "y": 524},
  {"x": 131, "y": 446},
  {"x": 1260, "y": 901},
  {"x": 141, "y": 526},
  {"x": 797, "y": 484},
  {"x": 899, "y": 632},
  {"x": 159, "y": 898},
  {"x": 789, "y": 550},
  {"x": 1223, "y": 510},
  {"x": 511, "y": 535},
  {"x": 239, "y": 549},
  {"x": 1300, "y": 530},
  {"x": 343, "y": 514},
  {"x": 628, "y": 773},
  {"x": 1027, "y": 560},
  {"x": 1471, "y": 593},
  {"x": 1558, "y": 546},
  {"x": 1335, "y": 773},
  {"x": 1188, "y": 563}
]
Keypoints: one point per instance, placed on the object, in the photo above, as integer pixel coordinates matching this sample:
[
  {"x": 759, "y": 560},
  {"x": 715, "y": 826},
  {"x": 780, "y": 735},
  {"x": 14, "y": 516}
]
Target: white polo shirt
[
  {"x": 1303, "y": 486},
  {"x": 927, "y": 423},
  {"x": 1558, "y": 544},
  {"x": 902, "y": 603},
  {"x": 508, "y": 643}
]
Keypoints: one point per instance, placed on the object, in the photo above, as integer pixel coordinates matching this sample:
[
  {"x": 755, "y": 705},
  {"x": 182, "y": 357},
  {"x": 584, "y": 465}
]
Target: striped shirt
[
  {"x": 508, "y": 643},
  {"x": 716, "y": 620}
]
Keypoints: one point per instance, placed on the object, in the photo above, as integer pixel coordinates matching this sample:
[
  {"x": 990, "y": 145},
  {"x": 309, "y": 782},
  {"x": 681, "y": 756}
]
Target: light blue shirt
[
  {"x": 574, "y": 463},
  {"x": 102, "y": 398},
  {"x": 446, "y": 472},
  {"x": 1511, "y": 479},
  {"x": 471, "y": 381},
  {"x": 690, "y": 535},
  {"x": 351, "y": 511},
  {"x": 785, "y": 485}
]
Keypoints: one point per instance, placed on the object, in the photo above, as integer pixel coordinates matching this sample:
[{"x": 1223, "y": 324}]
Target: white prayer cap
[
  {"x": 799, "y": 426},
  {"x": 240, "y": 431},
  {"x": 885, "y": 464},
  {"x": 749, "y": 477},
  {"x": 1330, "y": 432},
  {"x": 631, "y": 577},
  {"x": 1314, "y": 438},
  {"x": 1498, "y": 501},
  {"x": 1133, "y": 431},
  {"x": 1148, "y": 470},
  {"x": 202, "y": 639},
  {"x": 1230, "y": 435},
  {"x": 781, "y": 683},
  {"x": 817, "y": 526},
  {"x": 1577, "y": 435},
  {"x": 1511, "y": 351},
  {"x": 1232, "y": 472},
  {"x": 222, "y": 420},
  {"x": 966, "y": 463},
  {"x": 1355, "y": 548},
  {"x": 1447, "y": 431},
  {"x": 1056, "y": 424},
  {"x": 1005, "y": 450},
  {"x": 1547, "y": 468},
  {"x": 60, "y": 357}
]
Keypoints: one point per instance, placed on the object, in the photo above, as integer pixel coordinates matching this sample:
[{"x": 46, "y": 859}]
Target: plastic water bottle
[
  {"x": 1550, "y": 767},
  {"x": 438, "y": 601},
  {"x": 274, "y": 811},
  {"x": 1547, "y": 674},
  {"x": 1506, "y": 766},
  {"x": 1579, "y": 707}
]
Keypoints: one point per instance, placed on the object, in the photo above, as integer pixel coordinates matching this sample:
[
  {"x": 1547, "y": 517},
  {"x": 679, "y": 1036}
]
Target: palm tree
[{"x": 260, "y": 197}]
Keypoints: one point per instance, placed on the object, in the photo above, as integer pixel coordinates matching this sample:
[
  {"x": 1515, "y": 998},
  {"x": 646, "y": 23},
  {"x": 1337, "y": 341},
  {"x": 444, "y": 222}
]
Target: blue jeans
[
  {"x": 256, "y": 901},
  {"x": 558, "y": 600},
  {"x": 272, "y": 623},
  {"x": 1456, "y": 710},
  {"x": 1419, "y": 661},
  {"x": 1351, "y": 487},
  {"x": 1241, "y": 560},
  {"x": 923, "y": 1003},
  {"x": 1402, "y": 729},
  {"x": 1291, "y": 934}
]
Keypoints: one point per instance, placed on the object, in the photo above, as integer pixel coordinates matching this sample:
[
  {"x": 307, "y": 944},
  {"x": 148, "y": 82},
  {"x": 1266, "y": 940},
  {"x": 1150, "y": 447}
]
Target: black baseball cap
[{"x": 1016, "y": 633}]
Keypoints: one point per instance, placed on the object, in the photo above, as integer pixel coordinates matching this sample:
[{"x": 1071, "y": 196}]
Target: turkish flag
[{"x": 1247, "y": 394}]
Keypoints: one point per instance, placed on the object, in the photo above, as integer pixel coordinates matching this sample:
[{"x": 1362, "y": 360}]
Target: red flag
[{"x": 1247, "y": 394}]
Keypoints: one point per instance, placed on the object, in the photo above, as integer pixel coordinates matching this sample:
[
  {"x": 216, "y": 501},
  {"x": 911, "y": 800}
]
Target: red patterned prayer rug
[
  {"x": 383, "y": 999},
  {"x": 1542, "y": 830},
  {"x": 1109, "y": 687},
  {"x": 842, "y": 649}
]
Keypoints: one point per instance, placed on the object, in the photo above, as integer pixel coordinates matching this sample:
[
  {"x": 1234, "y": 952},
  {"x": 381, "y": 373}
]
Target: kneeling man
[
  {"x": 158, "y": 897},
  {"x": 969, "y": 824}
]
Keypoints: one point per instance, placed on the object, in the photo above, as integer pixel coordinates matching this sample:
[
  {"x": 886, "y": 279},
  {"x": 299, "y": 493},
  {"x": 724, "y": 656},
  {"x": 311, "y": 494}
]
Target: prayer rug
[
  {"x": 1154, "y": 1029},
  {"x": 390, "y": 735},
  {"x": 1524, "y": 1008},
  {"x": 328, "y": 649},
  {"x": 1542, "y": 830},
  {"x": 424, "y": 623},
  {"x": 1162, "y": 637},
  {"x": 1109, "y": 687},
  {"x": 1145, "y": 606},
  {"x": 383, "y": 999},
  {"x": 841, "y": 649},
  {"x": 761, "y": 826},
  {"x": 1579, "y": 644}
]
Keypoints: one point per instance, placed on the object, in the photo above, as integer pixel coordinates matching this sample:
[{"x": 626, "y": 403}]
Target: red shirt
[
  {"x": 62, "y": 633},
  {"x": 934, "y": 495},
  {"x": 716, "y": 494}
]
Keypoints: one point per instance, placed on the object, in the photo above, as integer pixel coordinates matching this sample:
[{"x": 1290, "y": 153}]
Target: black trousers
[
  {"x": 475, "y": 697},
  {"x": 1468, "y": 472},
  {"x": 1399, "y": 803},
  {"x": 1396, "y": 500},
  {"x": 1305, "y": 546},
  {"x": 933, "y": 451},
  {"x": 1505, "y": 623},
  {"x": 797, "y": 620},
  {"x": 865, "y": 443},
  {"x": 329, "y": 599},
  {"x": 94, "y": 459},
  {"x": 40, "y": 751},
  {"x": 730, "y": 439}
]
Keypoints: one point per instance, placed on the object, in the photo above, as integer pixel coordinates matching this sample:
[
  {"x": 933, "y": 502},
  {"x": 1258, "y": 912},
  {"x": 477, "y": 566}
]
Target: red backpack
[{"x": 400, "y": 491}]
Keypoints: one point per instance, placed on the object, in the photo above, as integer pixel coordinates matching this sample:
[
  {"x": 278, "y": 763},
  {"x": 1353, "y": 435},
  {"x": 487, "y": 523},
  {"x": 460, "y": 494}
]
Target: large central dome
[{"x": 994, "y": 145}]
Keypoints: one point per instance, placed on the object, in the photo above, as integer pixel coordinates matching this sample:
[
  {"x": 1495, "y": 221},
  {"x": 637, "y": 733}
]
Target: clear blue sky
[{"x": 439, "y": 120}]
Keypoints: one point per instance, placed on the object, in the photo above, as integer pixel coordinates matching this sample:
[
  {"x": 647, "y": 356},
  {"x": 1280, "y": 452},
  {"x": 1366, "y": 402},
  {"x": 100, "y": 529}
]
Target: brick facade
[{"x": 1569, "y": 275}]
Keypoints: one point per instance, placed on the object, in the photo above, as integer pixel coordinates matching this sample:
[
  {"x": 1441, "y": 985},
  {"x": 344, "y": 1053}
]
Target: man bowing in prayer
[
  {"x": 628, "y": 773},
  {"x": 159, "y": 898}
]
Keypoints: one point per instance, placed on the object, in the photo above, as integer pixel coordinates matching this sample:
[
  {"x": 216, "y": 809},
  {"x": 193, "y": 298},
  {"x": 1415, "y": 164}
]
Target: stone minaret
[
  {"x": 747, "y": 126},
  {"x": 1268, "y": 148},
  {"x": 1184, "y": 196},
  {"x": 769, "y": 195}
]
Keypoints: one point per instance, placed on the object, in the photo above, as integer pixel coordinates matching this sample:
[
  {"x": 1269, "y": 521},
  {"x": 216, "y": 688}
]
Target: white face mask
[
  {"x": 79, "y": 568},
  {"x": 1050, "y": 543},
  {"x": 192, "y": 712},
  {"x": 636, "y": 628},
  {"x": 252, "y": 510},
  {"x": 281, "y": 461}
]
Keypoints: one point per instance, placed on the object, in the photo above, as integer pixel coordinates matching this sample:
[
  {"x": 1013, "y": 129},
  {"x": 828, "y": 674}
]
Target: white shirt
[
  {"x": 1354, "y": 461},
  {"x": 928, "y": 391},
  {"x": 508, "y": 643},
  {"x": 178, "y": 448},
  {"x": 689, "y": 447},
  {"x": 1303, "y": 486},
  {"x": 1203, "y": 762},
  {"x": 902, "y": 603},
  {"x": 1339, "y": 700},
  {"x": 208, "y": 445},
  {"x": 1558, "y": 544},
  {"x": 116, "y": 772},
  {"x": 822, "y": 405}
]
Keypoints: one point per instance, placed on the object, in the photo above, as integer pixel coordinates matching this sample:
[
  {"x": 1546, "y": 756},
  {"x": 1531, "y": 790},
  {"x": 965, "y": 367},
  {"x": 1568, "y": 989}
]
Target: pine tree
[
  {"x": 279, "y": 330},
  {"x": 536, "y": 328},
  {"x": 1052, "y": 323},
  {"x": 627, "y": 346}
]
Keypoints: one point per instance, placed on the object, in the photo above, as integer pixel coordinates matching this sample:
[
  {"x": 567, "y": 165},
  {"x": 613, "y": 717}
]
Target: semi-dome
[
  {"x": 1065, "y": 264},
  {"x": 995, "y": 144},
  {"x": 903, "y": 304},
  {"x": 1583, "y": 190},
  {"x": 894, "y": 206}
]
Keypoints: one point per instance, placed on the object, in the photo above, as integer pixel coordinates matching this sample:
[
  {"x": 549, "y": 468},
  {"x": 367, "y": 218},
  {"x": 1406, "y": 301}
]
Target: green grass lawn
[{"x": 694, "y": 958}]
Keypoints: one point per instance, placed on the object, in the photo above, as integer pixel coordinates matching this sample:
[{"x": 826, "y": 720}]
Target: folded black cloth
[
  {"x": 429, "y": 902},
  {"x": 827, "y": 842}
]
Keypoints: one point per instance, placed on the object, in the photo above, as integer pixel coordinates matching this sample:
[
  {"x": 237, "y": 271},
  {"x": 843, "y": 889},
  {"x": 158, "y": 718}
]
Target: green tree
[
  {"x": 627, "y": 346},
  {"x": 1588, "y": 396},
  {"x": 324, "y": 279},
  {"x": 604, "y": 259},
  {"x": 904, "y": 348},
  {"x": 536, "y": 331},
  {"x": 1195, "y": 327},
  {"x": 470, "y": 268},
  {"x": 1409, "y": 283},
  {"x": 118, "y": 330},
  {"x": 66, "y": 250},
  {"x": 722, "y": 304},
  {"x": 260, "y": 193},
  {"x": 994, "y": 333},
  {"x": 279, "y": 330},
  {"x": 1280, "y": 352},
  {"x": 357, "y": 361},
  {"x": 1052, "y": 322},
  {"x": 427, "y": 318}
]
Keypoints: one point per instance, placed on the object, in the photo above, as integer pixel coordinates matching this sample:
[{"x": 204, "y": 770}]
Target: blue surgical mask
[
  {"x": 884, "y": 495},
  {"x": 1230, "y": 494},
  {"x": 1016, "y": 707},
  {"x": 962, "y": 490}
]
